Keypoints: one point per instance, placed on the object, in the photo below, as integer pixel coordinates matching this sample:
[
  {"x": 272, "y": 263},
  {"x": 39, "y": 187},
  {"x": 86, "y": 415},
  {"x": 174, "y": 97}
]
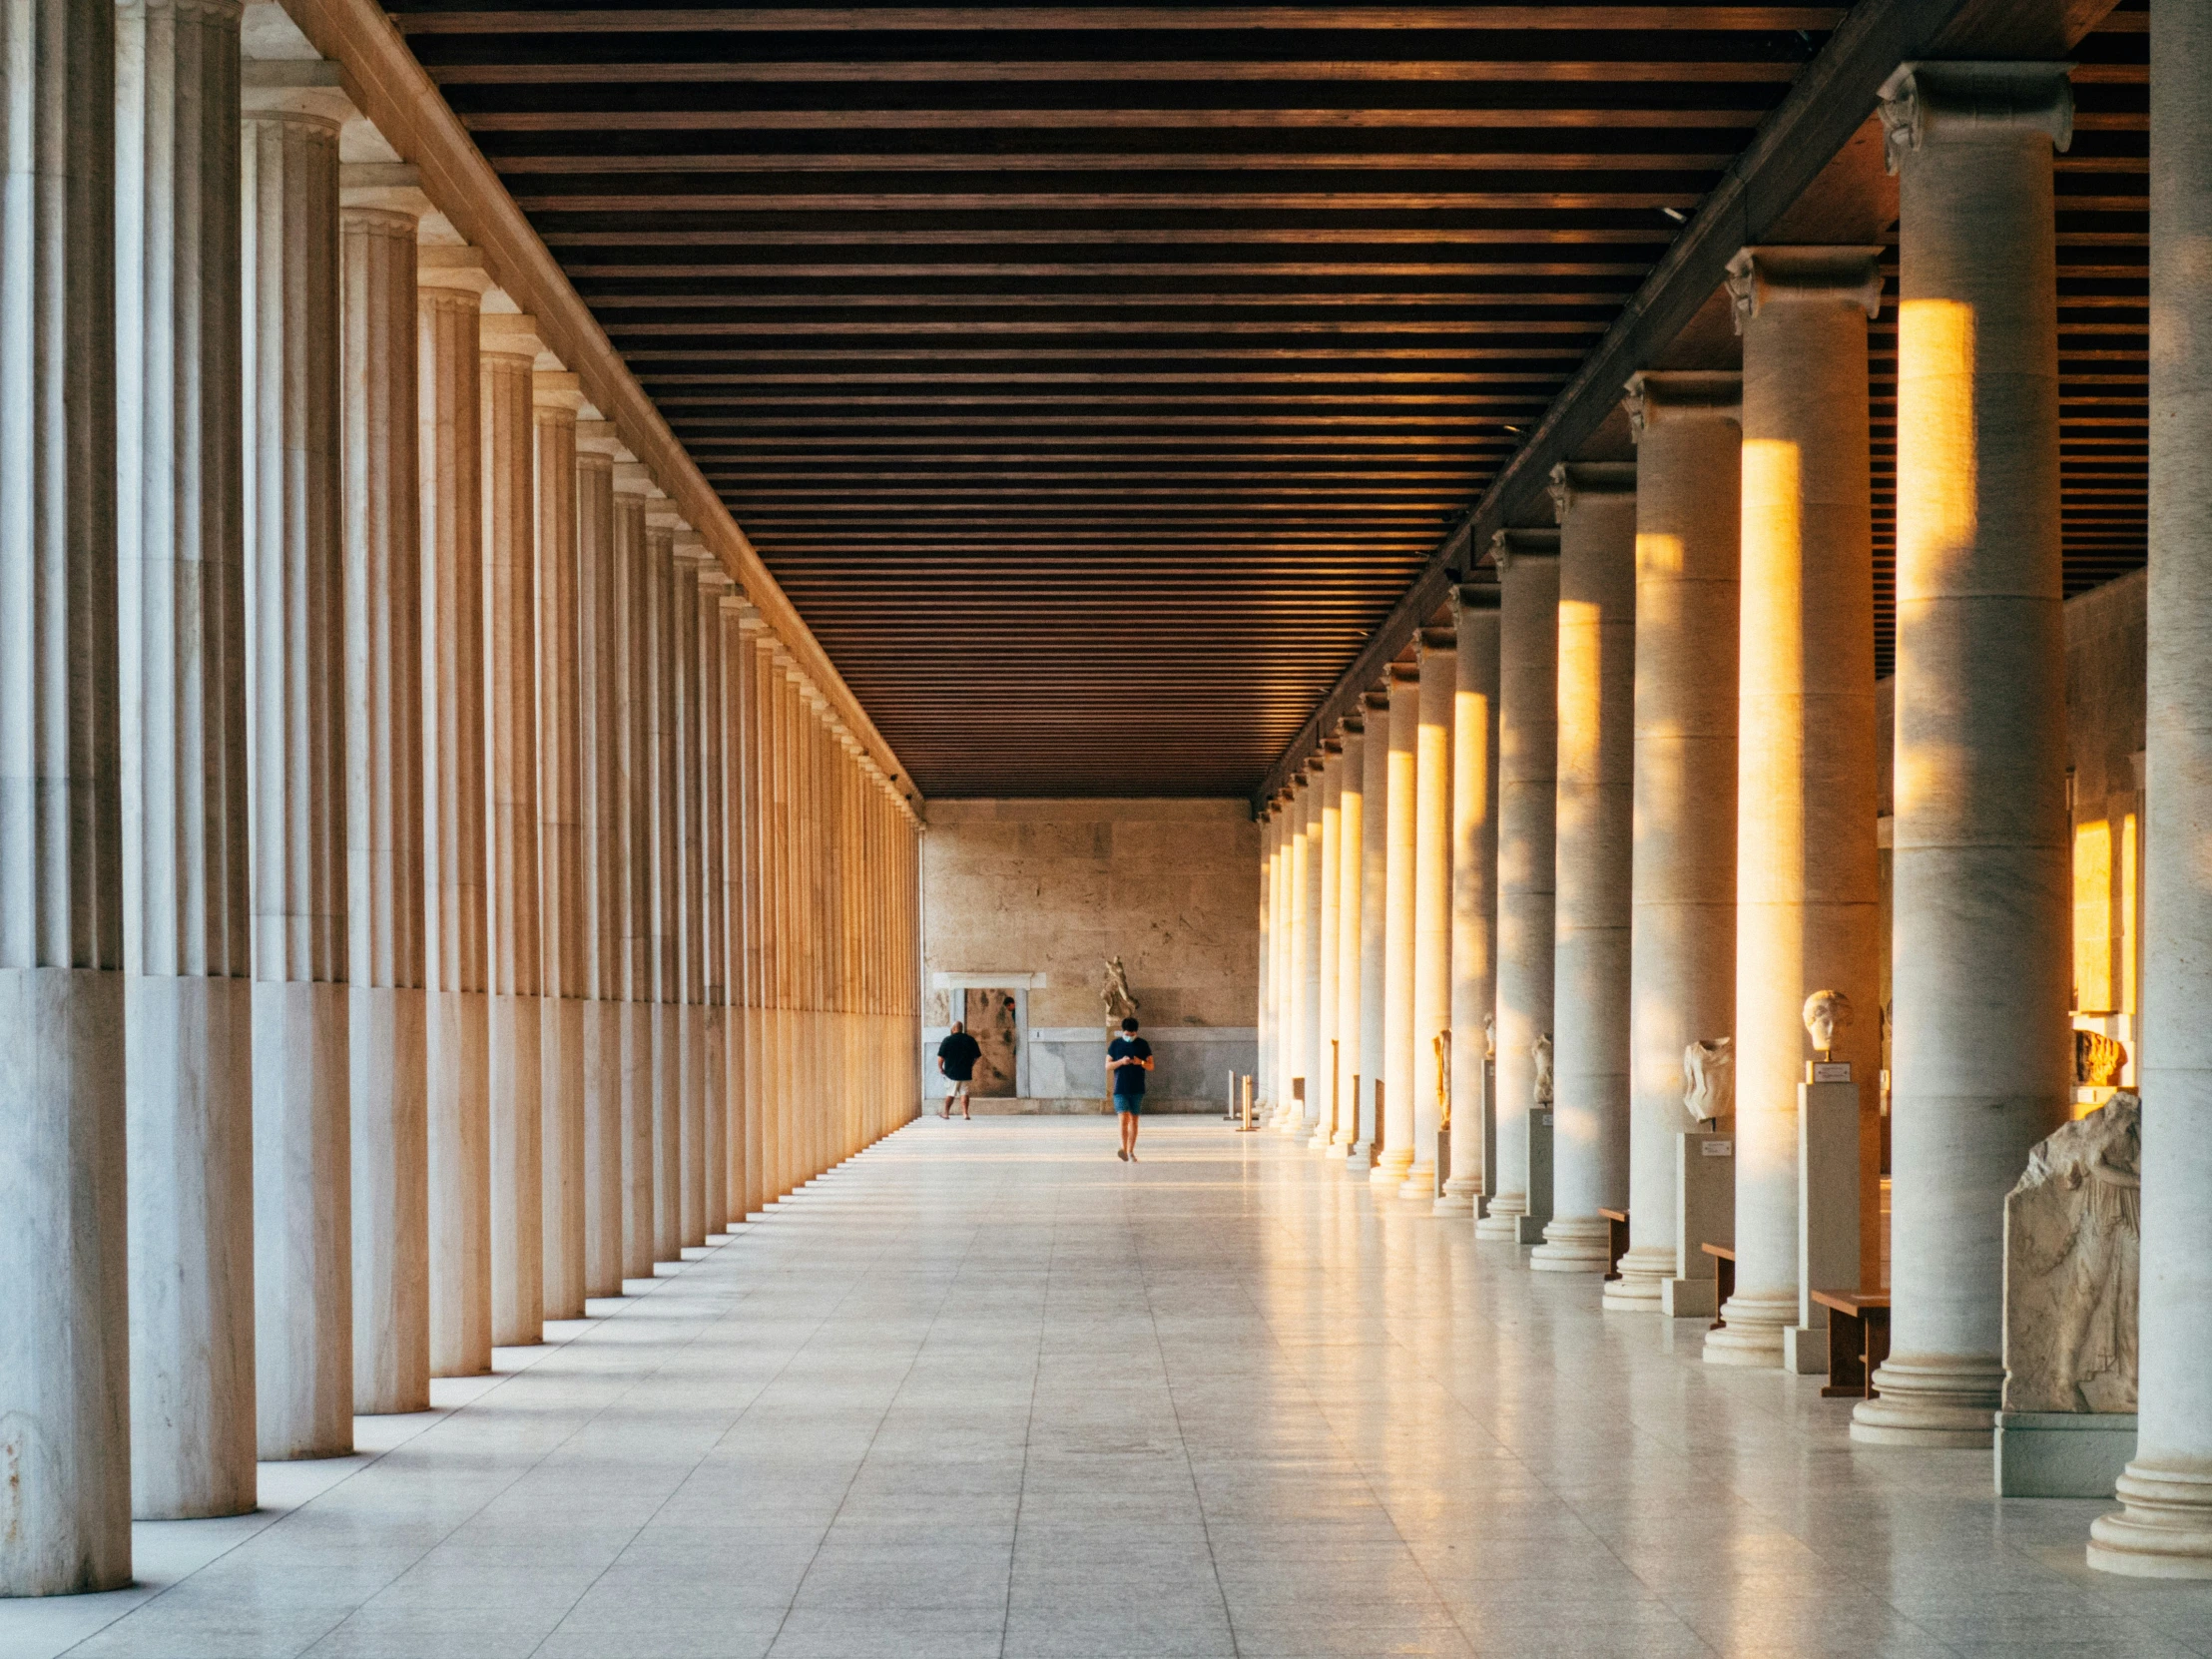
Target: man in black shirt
[
  {"x": 956, "y": 1057},
  {"x": 1128, "y": 1058}
]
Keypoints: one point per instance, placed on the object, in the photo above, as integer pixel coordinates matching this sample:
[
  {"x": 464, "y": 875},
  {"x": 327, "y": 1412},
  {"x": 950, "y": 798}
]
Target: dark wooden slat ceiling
[{"x": 1094, "y": 378}]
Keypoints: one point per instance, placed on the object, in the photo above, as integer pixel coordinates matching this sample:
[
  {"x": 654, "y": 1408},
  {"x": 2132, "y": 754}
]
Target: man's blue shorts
[{"x": 1129, "y": 1103}]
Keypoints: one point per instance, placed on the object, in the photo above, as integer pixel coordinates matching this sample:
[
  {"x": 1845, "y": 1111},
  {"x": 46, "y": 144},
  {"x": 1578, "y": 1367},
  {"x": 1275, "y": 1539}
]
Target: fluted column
[
  {"x": 1291, "y": 1110},
  {"x": 1400, "y": 794},
  {"x": 740, "y": 1043},
  {"x": 657, "y": 689},
  {"x": 295, "y": 560},
  {"x": 65, "y": 1439},
  {"x": 2165, "y": 1531},
  {"x": 714, "y": 1143},
  {"x": 1351, "y": 839},
  {"x": 688, "y": 564},
  {"x": 1597, "y": 694},
  {"x": 1374, "y": 819},
  {"x": 1278, "y": 1025},
  {"x": 509, "y": 352},
  {"x": 381, "y": 208},
  {"x": 1982, "y": 1065},
  {"x": 1321, "y": 1101},
  {"x": 1805, "y": 740},
  {"x": 449, "y": 286},
  {"x": 557, "y": 398},
  {"x": 635, "y": 493},
  {"x": 187, "y": 1029},
  {"x": 1264, "y": 1075},
  {"x": 1682, "y": 936},
  {"x": 1527, "y": 801},
  {"x": 1473, "y": 856},
  {"x": 602, "y": 695},
  {"x": 760, "y": 1139},
  {"x": 1440, "y": 662}
]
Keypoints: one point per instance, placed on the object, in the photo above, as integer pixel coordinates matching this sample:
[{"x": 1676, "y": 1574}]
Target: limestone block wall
[{"x": 1040, "y": 892}]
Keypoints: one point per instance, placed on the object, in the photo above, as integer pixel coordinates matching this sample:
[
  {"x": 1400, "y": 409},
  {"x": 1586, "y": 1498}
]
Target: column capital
[
  {"x": 635, "y": 478},
  {"x": 460, "y": 269},
  {"x": 1575, "y": 482},
  {"x": 383, "y": 186},
  {"x": 1758, "y": 277},
  {"x": 1474, "y": 596},
  {"x": 509, "y": 335},
  {"x": 1509, "y": 545},
  {"x": 691, "y": 547},
  {"x": 598, "y": 441},
  {"x": 1967, "y": 102},
  {"x": 1330, "y": 746},
  {"x": 557, "y": 390},
  {"x": 1353, "y": 724},
  {"x": 1406, "y": 674},
  {"x": 1686, "y": 394},
  {"x": 1376, "y": 702},
  {"x": 307, "y": 90},
  {"x": 1435, "y": 641}
]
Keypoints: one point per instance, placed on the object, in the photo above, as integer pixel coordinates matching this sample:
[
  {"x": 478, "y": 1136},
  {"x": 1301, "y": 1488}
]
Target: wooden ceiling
[{"x": 1095, "y": 378}]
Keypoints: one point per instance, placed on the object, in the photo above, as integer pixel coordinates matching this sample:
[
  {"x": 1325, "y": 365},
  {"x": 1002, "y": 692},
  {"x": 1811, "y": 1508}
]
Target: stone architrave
[
  {"x": 1596, "y": 769},
  {"x": 451, "y": 283},
  {"x": 509, "y": 348},
  {"x": 1440, "y": 666},
  {"x": 1398, "y": 923},
  {"x": 1682, "y": 932},
  {"x": 64, "y": 1362},
  {"x": 1527, "y": 803},
  {"x": 600, "y": 695},
  {"x": 296, "y": 554},
  {"x": 1473, "y": 853},
  {"x": 1374, "y": 765},
  {"x": 1981, "y": 870},
  {"x": 1350, "y": 840},
  {"x": 2072, "y": 1270},
  {"x": 1805, "y": 740},
  {"x": 186, "y": 1031},
  {"x": 2164, "y": 1529},
  {"x": 381, "y": 206}
]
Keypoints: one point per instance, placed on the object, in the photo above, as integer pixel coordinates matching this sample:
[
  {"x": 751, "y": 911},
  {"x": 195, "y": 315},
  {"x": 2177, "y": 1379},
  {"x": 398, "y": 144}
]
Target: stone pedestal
[
  {"x": 1807, "y": 880},
  {"x": 2064, "y": 1455},
  {"x": 1395, "y": 1155},
  {"x": 1597, "y": 689},
  {"x": 295, "y": 556},
  {"x": 1474, "y": 854},
  {"x": 1704, "y": 1208},
  {"x": 1682, "y": 932},
  {"x": 1981, "y": 1064},
  {"x": 1440, "y": 663},
  {"x": 1829, "y": 1115},
  {"x": 2165, "y": 1528},
  {"x": 1527, "y": 786}
]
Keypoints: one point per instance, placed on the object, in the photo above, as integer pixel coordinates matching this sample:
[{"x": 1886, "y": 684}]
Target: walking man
[
  {"x": 956, "y": 1057},
  {"x": 1128, "y": 1058}
]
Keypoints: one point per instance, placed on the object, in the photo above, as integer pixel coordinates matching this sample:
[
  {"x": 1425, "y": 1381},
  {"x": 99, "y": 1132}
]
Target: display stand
[
  {"x": 1704, "y": 1214},
  {"x": 1531, "y": 1227},
  {"x": 1828, "y": 1209}
]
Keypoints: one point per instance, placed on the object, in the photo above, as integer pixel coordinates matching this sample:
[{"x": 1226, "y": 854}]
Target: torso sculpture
[
  {"x": 2072, "y": 1232},
  {"x": 1120, "y": 1001},
  {"x": 1540, "y": 1052},
  {"x": 1709, "y": 1079}
]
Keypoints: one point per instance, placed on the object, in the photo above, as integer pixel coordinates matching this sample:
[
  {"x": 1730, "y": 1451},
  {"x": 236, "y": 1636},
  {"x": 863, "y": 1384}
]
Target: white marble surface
[{"x": 984, "y": 1390}]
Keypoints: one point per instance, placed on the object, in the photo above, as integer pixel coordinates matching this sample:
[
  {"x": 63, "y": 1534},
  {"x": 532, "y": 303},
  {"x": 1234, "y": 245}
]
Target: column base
[
  {"x": 1359, "y": 1159},
  {"x": 1421, "y": 1184},
  {"x": 1574, "y": 1244},
  {"x": 1321, "y": 1141},
  {"x": 1636, "y": 1291},
  {"x": 1390, "y": 1169},
  {"x": 2165, "y": 1528},
  {"x": 1752, "y": 1337},
  {"x": 1931, "y": 1404},
  {"x": 1458, "y": 1196},
  {"x": 1500, "y": 1224}
]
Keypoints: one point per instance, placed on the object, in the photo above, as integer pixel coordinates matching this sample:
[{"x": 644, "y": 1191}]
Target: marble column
[
  {"x": 714, "y": 1143},
  {"x": 2165, "y": 1528},
  {"x": 296, "y": 781},
  {"x": 509, "y": 355},
  {"x": 1281, "y": 1067},
  {"x": 450, "y": 283},
  {"x": 1264, "y": 1075},
  {"x": 739, "y": 1040},
  {"x": 1398, "y": 799},
  {"x": 1321, "y": 1101},
  {"x": 602, "y": 696},
  {"x": 1527, "y": 803},
  {"x": 1439, "y": 664},
  {"x": 1293, "y": 1047},
  {"x": 760, "y": 1140},
  {"x": 381, "y": 207},
  {"x": 557, "y": 399},
  {"x": 689, "y": 561},
  {"x": 1375, "y": 819},
  {"x": 1312, "y": 1056},
  {"x": 1682, "y": 935},
  {"x": 186, "y": 1031},
  {"x": 1805, "y": 740},
  {"x": 637, "y": 807},
  {"x": 1596, "y": 504},
  {"x": 657, "y": 689},
  {"x": 1473, "y": 857},
  {"x": 1981, "y": 1064},
  {"x": 1350, "y": 840},
  {"x": 64, "y": 1359}
]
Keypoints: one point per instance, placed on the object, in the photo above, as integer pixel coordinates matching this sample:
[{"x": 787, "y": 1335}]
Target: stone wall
[{"x": 1038, "y": 894}]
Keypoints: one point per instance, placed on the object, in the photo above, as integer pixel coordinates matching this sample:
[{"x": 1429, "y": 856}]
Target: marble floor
[{"x": 985, "y": 1391}]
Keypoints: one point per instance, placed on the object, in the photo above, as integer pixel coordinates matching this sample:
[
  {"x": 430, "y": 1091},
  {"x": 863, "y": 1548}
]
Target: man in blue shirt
[{"x": 1128, "y": 1058}]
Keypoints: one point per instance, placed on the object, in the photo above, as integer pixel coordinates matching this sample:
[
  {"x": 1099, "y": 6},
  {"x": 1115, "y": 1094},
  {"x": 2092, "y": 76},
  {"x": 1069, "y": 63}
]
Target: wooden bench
[
  {"x": 1617, "y": 1241},
  {"x": 1723, "y": 1281},
  {"x": 1858, "y": 1340}
]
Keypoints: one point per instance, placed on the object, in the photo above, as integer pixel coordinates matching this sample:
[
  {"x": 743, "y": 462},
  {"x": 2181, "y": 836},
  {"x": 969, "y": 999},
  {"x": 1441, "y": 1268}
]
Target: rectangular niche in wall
[{"x": 994, "y": 1021}]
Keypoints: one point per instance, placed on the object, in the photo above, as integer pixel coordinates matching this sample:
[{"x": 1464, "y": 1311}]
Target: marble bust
[
  {"x": 2072, "y": 1241},
  {"x": 1709, "y": 1079},
  {"x": 1826, "y": 1013}
]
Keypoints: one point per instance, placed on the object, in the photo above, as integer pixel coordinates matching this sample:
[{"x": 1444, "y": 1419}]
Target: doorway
[{"x": 994, "y": 1020}]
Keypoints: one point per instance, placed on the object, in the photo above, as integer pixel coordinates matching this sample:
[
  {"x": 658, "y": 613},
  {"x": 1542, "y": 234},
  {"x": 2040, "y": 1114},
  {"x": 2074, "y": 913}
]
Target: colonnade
[
  {"x": 432, "y": 892},
  {"x": 1678, "y": 844}
]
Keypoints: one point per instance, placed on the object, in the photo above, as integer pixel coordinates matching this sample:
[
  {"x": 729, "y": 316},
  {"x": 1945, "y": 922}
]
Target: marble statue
[
  {"x": 1489, "y": 1036},
  {"x": 1826, "y": 1013},
  {"x": 2097, "y": 1059},
  {"x": 2072, "y": 1231},
  {"x": 1709, "y": 1079},
  {"x": 1540, "y": 1052},
  {"x": 1120, "y": 1001}
]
